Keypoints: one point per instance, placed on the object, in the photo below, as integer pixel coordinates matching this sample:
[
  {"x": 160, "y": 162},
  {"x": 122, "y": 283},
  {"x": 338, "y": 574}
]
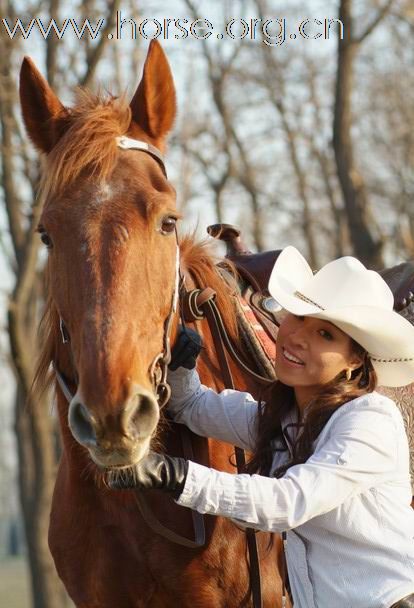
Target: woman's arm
[
  {"x": 360, "y": 453},
  {"x": 229, "y": 416}
]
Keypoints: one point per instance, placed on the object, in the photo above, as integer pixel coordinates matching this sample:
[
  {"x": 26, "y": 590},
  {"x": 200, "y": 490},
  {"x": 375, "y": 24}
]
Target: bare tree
[
  {"x": 385, "y": 118},
  {"x": 363, "y": 229},
  {"x": 274, "y": 73},
  {"x": 218, "y": 71}
]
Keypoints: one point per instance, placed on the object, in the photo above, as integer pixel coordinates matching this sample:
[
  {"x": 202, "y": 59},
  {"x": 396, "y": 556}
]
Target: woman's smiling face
[{"x": 311, "y": 352}]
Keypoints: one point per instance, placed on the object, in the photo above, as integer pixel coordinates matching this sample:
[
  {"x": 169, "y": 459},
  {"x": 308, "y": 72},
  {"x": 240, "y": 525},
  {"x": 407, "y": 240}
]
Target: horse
[{"x": 108, "y": 221}]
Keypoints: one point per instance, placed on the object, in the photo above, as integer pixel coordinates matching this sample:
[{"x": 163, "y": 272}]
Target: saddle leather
[
  {"x": 406, "y": 602},
  {"x": 253, "y": 268},
  {"x": 231, "y": 235},
  {"x": 400, "y": 280}
]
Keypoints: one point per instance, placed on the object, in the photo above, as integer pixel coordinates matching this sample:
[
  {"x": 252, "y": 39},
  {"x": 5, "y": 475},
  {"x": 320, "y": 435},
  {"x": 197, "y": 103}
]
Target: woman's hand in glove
[
  {"x": 154, "y": 472},
  {"x": 186, "y": 349}
]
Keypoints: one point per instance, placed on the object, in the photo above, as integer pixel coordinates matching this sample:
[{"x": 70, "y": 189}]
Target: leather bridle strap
[
  {"x": 159, "y": 366},
  {"x": 157, "y": 526},
  {"x": 254, "y": 566},
  {"x": 63, "y": 384},
  {"x": 203, "y": 302},
  {"x": 194, "y": 308},
  {"x": 128, "y": 143},
  {"x": 197, "y": 304}
]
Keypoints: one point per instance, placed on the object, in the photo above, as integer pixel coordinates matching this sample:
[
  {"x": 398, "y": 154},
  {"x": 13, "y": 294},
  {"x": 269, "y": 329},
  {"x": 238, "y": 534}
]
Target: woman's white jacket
[{"x": 347, "y": 513}]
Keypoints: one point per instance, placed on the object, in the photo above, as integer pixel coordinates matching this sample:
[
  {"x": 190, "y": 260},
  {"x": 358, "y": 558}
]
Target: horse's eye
[
  {"x": 168, "y": 225},
  {"x": 46, "y": 240}
]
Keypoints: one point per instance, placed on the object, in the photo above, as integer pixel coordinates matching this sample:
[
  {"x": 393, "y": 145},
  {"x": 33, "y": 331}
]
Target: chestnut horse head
[{"x": 108, "y": 220}]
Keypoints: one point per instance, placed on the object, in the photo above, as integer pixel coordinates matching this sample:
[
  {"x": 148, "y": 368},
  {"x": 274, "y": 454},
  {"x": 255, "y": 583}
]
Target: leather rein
[{"x": 196, "y": 305}]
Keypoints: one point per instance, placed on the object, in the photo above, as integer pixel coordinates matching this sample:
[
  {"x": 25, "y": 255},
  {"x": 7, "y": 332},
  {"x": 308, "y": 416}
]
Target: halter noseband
[{"x": 159, "y": 366}]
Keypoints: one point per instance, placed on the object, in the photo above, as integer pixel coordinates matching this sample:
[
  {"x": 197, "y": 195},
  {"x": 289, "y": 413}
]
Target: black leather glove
[
  {"x": 186, "y": 349},
  {"x": 154, "y": 472}
]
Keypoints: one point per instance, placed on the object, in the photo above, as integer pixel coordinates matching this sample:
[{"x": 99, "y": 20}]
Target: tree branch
[
  {"x": 100, "y": 48},
  {"x": 12, "y": 200},
  {"x": 375, "y": 22},
  {"x": 52, "y": 46}
]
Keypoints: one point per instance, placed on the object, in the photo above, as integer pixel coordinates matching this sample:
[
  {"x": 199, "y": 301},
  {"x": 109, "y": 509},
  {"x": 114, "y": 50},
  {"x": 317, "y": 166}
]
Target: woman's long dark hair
[{"x": 279, "y": 399}]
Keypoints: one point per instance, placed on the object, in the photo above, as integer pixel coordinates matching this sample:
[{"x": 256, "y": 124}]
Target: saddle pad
[{"x": 255, "y": 338}]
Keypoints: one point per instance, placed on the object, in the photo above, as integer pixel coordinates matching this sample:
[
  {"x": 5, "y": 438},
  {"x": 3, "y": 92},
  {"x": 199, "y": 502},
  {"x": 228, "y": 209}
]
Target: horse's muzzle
[{"x": 118, "y": 437}]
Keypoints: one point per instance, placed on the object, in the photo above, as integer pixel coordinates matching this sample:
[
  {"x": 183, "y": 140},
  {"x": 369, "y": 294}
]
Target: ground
[{"x": 14, "y": 583}]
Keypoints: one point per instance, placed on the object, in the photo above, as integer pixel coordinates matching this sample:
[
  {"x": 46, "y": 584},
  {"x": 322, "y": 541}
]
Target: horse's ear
[
  {"x": 153, "y": 105},
  {"x": 41, "y": 108}
]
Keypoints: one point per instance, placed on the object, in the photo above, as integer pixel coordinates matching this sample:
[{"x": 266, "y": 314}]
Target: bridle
[
  {"x": 158, "y": 374},
  {"x": 159, "y": 367}
]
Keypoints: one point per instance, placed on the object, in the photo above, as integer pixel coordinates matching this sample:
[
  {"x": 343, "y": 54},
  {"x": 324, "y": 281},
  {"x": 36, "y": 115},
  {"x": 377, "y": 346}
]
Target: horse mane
[
  {"x": 48, "y": 335},
  {"x": 199, "y": 260},
  {"x": 88, "y": 140}
]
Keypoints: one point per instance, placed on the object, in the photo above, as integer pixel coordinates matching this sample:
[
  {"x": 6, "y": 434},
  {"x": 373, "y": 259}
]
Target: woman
[{"x": 332, "y": 453}]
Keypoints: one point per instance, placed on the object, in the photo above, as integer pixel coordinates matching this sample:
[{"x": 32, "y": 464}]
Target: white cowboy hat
[{"x": 356, "y": 300}]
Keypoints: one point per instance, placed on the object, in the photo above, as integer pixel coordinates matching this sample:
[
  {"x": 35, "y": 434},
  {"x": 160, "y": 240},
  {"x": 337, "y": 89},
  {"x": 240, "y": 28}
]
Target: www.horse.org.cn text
[{"x": 270, "y": 31}]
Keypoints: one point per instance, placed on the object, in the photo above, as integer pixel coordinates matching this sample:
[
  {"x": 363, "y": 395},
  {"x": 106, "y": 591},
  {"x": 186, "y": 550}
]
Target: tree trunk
[
  {"x": 36, "y": 473},
  {"x": 366, "y": 246},
  {"x": 35, "y": 441}
]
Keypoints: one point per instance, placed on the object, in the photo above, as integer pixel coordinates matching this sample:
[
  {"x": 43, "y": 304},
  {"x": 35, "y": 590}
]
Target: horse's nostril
[
  {"x": 80, "y": 423},
  {"x": 145, "y": 406},
  {"x": 141, "y": 415}
]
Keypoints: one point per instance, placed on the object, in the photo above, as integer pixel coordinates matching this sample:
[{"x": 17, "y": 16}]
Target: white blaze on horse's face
[
  {"x": 102, "y": 194},
  {"x": 105, "y": 192}
]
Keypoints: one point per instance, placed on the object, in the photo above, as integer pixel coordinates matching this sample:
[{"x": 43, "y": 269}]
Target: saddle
[{"x": 258, "y": 314}]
